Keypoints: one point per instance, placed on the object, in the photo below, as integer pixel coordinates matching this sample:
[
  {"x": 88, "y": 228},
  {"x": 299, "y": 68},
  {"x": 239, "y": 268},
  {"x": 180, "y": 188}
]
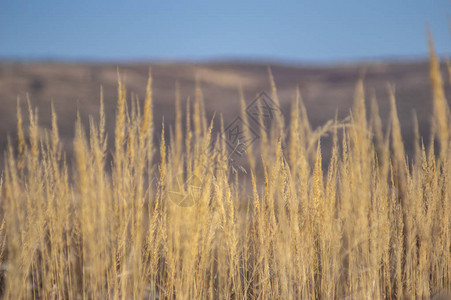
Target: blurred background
[{"x": 64, "y": 51}]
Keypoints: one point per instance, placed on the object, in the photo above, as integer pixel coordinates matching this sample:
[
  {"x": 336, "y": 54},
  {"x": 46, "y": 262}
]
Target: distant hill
[{"x": 324, "y": 89}]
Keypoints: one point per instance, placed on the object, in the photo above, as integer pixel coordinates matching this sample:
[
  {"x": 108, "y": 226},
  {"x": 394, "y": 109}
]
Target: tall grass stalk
[{"x": 371, "y": 224}]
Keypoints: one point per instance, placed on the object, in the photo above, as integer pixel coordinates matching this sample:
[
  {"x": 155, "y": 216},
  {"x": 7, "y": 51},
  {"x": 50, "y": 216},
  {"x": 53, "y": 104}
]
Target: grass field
[{"x": 174, "y": 221}]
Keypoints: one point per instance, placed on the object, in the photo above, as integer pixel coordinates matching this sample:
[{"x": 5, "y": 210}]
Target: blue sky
[{"x": 300, "y": 31}]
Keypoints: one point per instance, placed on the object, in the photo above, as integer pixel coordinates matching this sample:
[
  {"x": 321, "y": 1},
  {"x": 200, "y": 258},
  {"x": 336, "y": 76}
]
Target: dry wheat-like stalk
[{"x": 371, "y": 224}]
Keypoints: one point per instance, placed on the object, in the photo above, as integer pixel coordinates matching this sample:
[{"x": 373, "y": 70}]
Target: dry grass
[{"x": 373, "y": 224}]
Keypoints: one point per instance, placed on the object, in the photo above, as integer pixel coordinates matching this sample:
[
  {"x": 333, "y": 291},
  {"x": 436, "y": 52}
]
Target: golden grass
[{"x": 373, "y": 224}]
